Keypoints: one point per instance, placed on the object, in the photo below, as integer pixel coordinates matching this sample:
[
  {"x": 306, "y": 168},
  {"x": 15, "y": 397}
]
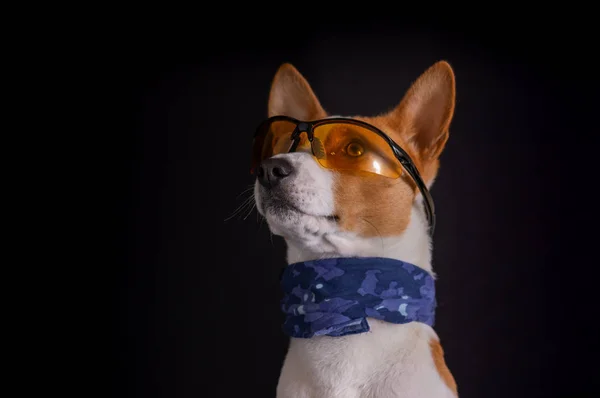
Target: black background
[{"x": 195, "y": 298}]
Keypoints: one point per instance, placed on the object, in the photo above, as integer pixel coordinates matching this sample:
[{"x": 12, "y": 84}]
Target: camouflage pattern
[{"x": 335, "y": 296}]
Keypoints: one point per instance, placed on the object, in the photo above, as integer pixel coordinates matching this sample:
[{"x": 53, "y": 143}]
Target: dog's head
[{"x": 325, "y": 213}]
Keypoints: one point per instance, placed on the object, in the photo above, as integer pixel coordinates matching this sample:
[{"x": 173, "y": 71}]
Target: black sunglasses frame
[{"x": 403, "y": 157}]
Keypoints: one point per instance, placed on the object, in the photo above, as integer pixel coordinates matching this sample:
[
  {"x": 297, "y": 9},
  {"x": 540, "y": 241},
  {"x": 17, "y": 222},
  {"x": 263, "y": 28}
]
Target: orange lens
[
  {"x": 350, "y": 147},
  {"x": 274, "y": 138}
]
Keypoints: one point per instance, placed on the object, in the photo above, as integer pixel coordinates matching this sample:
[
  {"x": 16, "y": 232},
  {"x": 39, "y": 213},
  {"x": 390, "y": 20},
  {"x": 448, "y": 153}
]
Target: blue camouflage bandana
[{"x": 335, "y": 296}]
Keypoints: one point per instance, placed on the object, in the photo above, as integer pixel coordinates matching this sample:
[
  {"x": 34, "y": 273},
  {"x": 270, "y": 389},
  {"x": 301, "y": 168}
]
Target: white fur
[{"x": 390, "y": 360}]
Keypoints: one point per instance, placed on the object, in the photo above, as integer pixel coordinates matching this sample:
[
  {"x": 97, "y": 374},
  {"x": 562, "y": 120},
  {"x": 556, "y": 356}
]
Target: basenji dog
[{"x": 326, "y": 207}]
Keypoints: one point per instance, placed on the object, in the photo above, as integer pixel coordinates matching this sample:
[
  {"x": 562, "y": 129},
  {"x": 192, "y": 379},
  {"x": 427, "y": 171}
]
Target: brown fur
[
  {"x": 437, "y": 352},
  {"x": 373, "y": 205}
]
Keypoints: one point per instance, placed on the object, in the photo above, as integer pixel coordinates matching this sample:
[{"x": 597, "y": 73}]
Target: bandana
[{"x": 335, "y": 296}]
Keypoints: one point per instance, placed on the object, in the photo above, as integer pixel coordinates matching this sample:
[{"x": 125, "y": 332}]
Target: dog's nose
[{"x": 272, "y": 171}]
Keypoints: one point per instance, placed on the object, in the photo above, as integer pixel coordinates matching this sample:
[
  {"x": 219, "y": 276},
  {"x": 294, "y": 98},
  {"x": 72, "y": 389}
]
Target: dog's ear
[
  {"x": 292, "y": 96},
  {"x": 423, "y": 116}
]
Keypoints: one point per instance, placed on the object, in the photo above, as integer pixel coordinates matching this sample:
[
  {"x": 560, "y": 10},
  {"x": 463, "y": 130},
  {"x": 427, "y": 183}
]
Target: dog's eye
[{"x": 354, "y": 149}]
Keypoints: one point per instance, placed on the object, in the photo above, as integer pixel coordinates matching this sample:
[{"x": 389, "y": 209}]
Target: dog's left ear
[{"x": 423, "y": 116}]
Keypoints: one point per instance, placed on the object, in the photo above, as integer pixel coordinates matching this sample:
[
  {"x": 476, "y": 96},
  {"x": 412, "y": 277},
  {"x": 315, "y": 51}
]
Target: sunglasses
[{"x": 339, "y": 144}]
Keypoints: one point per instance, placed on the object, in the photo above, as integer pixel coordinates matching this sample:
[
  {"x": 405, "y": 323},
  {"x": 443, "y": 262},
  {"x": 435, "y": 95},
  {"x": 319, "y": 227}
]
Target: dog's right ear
[{"x": 292, "y": 96}]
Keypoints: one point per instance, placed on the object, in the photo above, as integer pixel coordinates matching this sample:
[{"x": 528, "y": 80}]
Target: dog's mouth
[{"x": 281, "y": 206}]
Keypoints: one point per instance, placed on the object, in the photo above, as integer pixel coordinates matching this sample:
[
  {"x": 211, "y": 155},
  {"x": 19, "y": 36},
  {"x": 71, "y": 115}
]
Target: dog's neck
[{"x": 413, "y": 245}]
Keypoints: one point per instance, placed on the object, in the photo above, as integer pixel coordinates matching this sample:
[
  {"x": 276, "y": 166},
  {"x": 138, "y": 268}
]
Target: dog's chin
[{"x": 291, "y": 222}]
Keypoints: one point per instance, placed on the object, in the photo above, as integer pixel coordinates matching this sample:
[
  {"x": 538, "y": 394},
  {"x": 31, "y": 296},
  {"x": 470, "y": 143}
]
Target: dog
[{"x": 327, "y": 213}]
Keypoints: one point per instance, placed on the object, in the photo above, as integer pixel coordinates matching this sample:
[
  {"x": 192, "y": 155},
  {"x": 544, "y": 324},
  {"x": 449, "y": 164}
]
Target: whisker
[
  {"x": 261, "y": 221},
  {"x": 376, "y": 230},
  {"x": 250, "y": 212},
  {"x": 259, "y": 218},
  {"x": 244, "y": 206},
  {"x": 250, "y": 188}
]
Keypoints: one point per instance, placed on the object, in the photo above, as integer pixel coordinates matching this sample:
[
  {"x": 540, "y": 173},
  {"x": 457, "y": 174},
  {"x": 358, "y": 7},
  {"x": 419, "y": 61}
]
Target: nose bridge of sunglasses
[{"x": 301, "y": 141}]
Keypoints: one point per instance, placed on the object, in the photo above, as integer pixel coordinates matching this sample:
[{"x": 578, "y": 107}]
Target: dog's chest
[{"x": 389, "y": 361}]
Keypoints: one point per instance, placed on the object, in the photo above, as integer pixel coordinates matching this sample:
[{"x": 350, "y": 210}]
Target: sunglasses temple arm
[
  {"x": 428, "y": 200},
  {"x": 429, "y": 209}
]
